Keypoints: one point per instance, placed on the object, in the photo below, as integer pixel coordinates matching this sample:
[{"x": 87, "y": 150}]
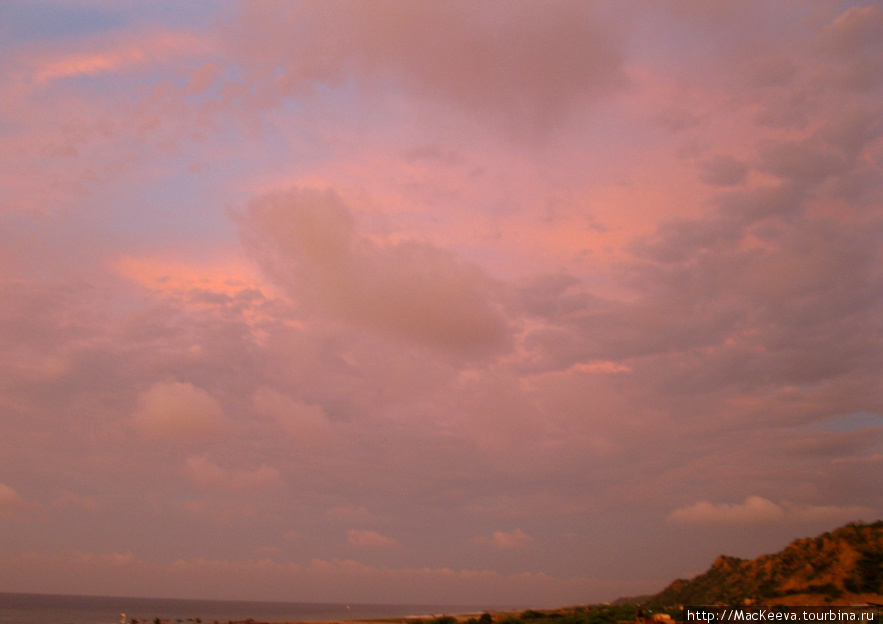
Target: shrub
[{"x": 530, "y": 614}]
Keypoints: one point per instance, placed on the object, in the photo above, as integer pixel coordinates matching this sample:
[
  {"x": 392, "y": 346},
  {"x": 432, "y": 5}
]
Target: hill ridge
[{"x": 840, "y": 565}]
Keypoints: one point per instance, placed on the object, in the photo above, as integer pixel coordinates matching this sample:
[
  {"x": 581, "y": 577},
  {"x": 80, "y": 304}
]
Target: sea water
[{"x": 57, "y": 609}]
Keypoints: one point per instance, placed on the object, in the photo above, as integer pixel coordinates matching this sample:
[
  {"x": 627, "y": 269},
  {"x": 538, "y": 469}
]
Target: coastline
[
  {"x": 409, "y": 619},
  {"x": 45, "y": 608}
]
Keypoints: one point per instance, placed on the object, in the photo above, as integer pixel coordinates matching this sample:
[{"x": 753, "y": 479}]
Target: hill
[{"x": 840, "y": 566}]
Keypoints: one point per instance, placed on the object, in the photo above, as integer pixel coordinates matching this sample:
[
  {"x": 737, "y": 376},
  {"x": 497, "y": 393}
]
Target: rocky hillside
[{"x": 837, "y": 566}]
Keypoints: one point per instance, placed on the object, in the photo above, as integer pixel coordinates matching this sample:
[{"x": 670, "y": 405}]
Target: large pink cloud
[{"x": 308, "y": 241}]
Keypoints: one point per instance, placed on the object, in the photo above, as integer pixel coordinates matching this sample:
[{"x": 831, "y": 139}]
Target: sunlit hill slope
[{"x": 838, "y": 567}]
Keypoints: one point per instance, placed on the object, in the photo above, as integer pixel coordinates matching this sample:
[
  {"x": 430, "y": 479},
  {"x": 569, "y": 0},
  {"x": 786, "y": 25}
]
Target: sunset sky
[{"x": 531, "y": 303}]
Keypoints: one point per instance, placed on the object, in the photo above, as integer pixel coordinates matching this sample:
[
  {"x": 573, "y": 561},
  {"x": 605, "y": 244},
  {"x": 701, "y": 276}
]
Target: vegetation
[
  {"x": 848, "y": 560},
  {"x": 593, "y": 614}
]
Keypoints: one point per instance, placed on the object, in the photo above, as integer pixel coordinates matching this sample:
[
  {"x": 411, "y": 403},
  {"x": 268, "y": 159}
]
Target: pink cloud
[
  {"x": 174, "y": 274},
  {"x": 724, "y": 170},
  {"x": 203, "y": 471},
  {"x": 754, "y": 510},
  {"x": 526, "y": 65},
  {"x": 511, "y": 539},
  {"x": 103, "y": 57},
  {"x": 307, "y": 241},
  {"x": 10, "y": 500},
  {"x": 366, "y": 538},
  {"x": 305, "y": 422},
  {"x": 758, "y": 510},
  {"x": 174, "y": 410},
  {"x": 854, "y": 29},
  {"x": 73, "y": 500},
  {"x": 344, "y": 512}
]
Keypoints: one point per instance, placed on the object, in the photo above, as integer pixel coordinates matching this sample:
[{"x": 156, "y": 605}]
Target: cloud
[
  {"x": 829, "y": 513},
  {"x": 344, "y": 512},
  {"x": 600, "y": 366},
  {"x": 723, "y": 170},
  {"x": 77, "y": 501},
  {"x": 14, "y": 505},
  {"x": 757, "y": 510},
  {"x": 182, "y": 275},
  {"x": 307, "y": 241},
  {"x": 10, "y": 500},
  {"x": 307, "y": 423},
  {"x": 364, "y": 538},
  {"x": 852, "y": 42},
  {"x": 854, "y": 29},
  {"x": 756, "y": 282},
  {"x": 172, "y": 410},
  {"x": 136, "y": 51},
  {"x": 511, "y": 540},
  {"x": 203, "y": 471},
  {"x": 754, "y": 510},
  {"x": 527, "y": 65}
]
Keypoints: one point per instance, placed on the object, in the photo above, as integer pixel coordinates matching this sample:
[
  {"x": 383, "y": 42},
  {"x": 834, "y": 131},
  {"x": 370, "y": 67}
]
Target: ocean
[{"x": 57, "y": 609}]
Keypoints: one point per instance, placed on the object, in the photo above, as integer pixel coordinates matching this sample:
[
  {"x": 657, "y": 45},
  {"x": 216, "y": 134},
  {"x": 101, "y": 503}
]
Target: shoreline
[{"x": 457, "y": 618}]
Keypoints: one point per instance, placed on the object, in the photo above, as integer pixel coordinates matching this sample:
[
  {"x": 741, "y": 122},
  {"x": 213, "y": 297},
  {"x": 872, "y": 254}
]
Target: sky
[{"x": 531, "y": 303}]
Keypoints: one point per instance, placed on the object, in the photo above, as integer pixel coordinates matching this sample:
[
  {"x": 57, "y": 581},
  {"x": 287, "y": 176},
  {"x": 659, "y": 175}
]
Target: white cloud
[
  {"x": 754, "y": 509},
  {"x": 175, "y": 410},
  {"x": 758, "y": 510},
  {"x": 364, "y": 538}
]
